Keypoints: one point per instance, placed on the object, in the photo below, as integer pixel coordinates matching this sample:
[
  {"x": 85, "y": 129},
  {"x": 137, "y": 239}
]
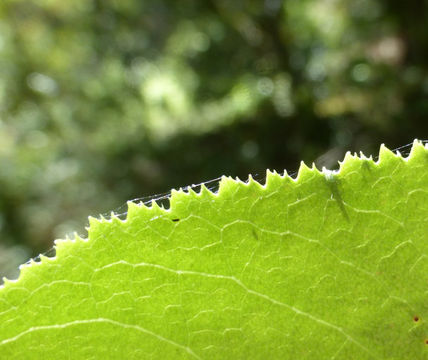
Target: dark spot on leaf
[
  {"x": 175, "y": 220},
  {"x": 332, "y": 183},
  {"x": 426, "y": 342},
  {"x": 415, "y": 318}
]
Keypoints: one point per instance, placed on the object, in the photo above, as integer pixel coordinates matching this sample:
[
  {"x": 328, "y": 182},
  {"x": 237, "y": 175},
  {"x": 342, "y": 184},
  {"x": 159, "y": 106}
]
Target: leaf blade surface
[{"x": 331, "y": 265}]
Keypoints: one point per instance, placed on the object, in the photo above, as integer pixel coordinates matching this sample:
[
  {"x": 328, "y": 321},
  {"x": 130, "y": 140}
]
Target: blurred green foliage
[{"x": 104, "y": 101}]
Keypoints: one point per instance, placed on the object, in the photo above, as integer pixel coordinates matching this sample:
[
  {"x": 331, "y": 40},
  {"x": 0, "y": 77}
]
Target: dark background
[{"x": 102, "y": 101}]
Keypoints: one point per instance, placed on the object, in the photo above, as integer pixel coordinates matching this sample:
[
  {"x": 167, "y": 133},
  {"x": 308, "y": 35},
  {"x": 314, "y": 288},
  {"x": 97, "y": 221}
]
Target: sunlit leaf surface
[{"x": 331, "y": 265}]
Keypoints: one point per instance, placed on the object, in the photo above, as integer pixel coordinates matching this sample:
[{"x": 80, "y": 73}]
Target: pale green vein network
[
  {"x": 186, "y": 272},
  {"x": 100, "y": 320},
  {"x": 255, "y": 293},
  {"x": 330, "y": 265}
]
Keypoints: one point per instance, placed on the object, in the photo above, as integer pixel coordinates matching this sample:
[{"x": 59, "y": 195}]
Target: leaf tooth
[
  {"x": 314, "y": 169},
  {"x": 386, "y": 155},
  {"x": 204, "y": 192},
  {"x": 184, "y": 189},
  {"x": 418, "y": 151},
  {"x": 239, "y": 181},
  {"x": 58, "y": 243},
  {"x": 95, "y": 222},
  {"x": 114, "y": 218},
  {"x": 153, "y": 205},
  {"x": 304, "y": 172},
  {"x": 133, "y": 209},
  {"x": 61, "y": 246},
  {"x": 156, "y": 208},
  {"x": 191, "y": 191},
  {"x": 8, "y": 282},
  {"x": 348, "y": 157},
  {"x": 23, "y": 268},
  {"x": 176, "y": 197},
  {"x": 364, "y": 157},
  {"x": 348, "y": 161},
  {"x": 254, "y": 184},
  {"x": 78, "y": 238},
  {"x": 179, "y": 198},
  {"x": 225, "y": 185},
  {"x": 271, "y": 172},
  {"x": 273, "y": 178}
]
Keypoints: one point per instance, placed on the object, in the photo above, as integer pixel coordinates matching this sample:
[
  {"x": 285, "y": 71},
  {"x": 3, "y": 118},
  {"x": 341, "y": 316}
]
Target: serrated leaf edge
[{"x": 134, "y": 208}]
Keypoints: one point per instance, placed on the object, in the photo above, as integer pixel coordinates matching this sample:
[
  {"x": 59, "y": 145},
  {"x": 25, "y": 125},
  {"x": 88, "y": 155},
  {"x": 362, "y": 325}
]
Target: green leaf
[{"x": 331, "y": 265}]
